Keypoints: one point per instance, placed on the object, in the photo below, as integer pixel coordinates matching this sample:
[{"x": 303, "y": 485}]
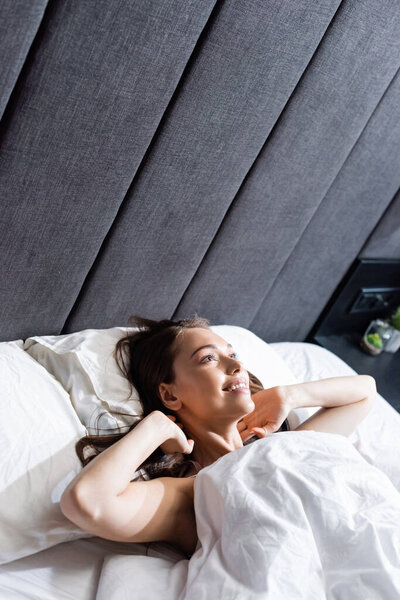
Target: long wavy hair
[{"x": 145, "y": 357}]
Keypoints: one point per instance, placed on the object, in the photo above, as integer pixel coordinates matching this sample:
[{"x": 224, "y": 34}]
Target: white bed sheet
[{"x": 72, "y": 570}]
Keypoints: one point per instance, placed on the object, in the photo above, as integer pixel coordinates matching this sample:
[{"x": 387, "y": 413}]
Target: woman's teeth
[{"x": 235, "y": 387}]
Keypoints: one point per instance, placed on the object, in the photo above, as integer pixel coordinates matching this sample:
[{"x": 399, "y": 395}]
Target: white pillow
[
  {"x": 83, "y": 363},
  {"x": 38, "y": 432}
]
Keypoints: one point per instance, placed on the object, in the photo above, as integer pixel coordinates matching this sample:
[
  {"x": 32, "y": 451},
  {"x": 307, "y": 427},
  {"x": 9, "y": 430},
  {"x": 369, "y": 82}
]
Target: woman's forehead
[{"x": 195, "y": 337}]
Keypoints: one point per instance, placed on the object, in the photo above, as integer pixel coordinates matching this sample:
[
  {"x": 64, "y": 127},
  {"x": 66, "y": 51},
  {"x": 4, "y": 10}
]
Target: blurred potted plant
[{"x": 376, "y": 337}]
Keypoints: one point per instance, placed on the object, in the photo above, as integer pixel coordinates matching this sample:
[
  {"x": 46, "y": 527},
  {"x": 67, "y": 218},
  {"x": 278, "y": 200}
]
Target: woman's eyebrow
[{"x": 209, "y": 346}]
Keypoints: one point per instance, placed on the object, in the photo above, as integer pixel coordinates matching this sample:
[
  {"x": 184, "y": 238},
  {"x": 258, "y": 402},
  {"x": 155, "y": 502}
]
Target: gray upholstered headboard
[{"x": 166, "y": 157}]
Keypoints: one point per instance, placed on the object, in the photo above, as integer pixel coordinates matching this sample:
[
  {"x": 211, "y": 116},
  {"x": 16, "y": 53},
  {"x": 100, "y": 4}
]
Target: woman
[{"x": 199, "y": 403}]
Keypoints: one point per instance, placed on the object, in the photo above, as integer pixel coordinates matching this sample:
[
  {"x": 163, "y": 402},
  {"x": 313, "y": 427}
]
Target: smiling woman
[
  {"x": 185, "y": 370},
  {"x": 179, "y": 379}
]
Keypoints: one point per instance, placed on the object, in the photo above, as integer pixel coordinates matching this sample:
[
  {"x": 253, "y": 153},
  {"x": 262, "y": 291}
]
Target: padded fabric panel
[
  {"x": 332, "y": 154},
  {"x": 99, "y": 80},
  {"x": 19, "y": 22},
  {"x": 384, "y": 241},
  {"x": 360, "y": 193},
  {"x": 244, "y": 73}
]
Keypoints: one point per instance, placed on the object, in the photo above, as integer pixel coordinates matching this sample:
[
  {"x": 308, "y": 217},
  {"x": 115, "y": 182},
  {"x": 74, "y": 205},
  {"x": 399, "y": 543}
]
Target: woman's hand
[
  {"x": 176, "y": 440},
  {"x": 272, "y": 406}
]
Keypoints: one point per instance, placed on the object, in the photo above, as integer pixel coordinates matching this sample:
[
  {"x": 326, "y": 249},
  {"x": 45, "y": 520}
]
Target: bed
[
  {"x": 71, "y": 375},
  {"x": 221, "y": 158}
]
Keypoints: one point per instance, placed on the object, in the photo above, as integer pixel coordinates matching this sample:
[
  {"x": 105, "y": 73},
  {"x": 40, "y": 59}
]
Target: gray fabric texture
[
  {"x": 81, "y": 122},
  {"x": 225, "y": 158},
  {"x": 230, "y": 99},
  {"x": 19, "y": 24},
  {"x": 318, "y": 165},
  {"x": 384, "y": 241}
]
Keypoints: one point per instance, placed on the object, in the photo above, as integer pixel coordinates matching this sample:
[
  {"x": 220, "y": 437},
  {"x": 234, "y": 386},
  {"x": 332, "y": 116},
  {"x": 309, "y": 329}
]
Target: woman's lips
[{"x": 237, "y": 390}]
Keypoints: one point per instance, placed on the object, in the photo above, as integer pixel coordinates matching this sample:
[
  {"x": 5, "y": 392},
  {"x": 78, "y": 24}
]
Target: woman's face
[{"x": 201, "y": 374}]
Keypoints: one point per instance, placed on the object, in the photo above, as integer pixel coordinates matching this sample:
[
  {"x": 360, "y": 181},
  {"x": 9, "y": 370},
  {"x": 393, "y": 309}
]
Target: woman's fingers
[
  {"x": 246, "y": 435},
  {"x": 261, "y": 432}
]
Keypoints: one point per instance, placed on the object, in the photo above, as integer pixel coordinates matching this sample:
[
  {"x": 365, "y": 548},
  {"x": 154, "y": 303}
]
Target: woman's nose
[{"x": 236, "y": 366}]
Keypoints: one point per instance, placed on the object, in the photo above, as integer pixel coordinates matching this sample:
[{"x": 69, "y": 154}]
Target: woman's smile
[{"x": 240, "y": 389}]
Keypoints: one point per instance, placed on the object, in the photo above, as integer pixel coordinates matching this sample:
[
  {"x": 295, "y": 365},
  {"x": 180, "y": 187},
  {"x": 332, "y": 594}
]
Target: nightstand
[
  {"x": 369, "y": 290},
  {"x": 384, "y": 368}
]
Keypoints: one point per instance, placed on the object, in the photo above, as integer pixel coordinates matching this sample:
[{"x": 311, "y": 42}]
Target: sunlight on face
[{"x": 201, "y": 373}]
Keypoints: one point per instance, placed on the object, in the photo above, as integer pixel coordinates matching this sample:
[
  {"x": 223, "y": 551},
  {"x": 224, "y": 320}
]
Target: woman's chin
[
  {"x": 248, "y": 405},
  {"x": 251, "y": 406},
  {"x": 243, "y": 404}
]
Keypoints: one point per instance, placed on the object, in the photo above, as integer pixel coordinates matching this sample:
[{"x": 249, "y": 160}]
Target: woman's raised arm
[
  {"x": 103, "y": 500},
  {"x": 110, "y": 472},
  {"x": 330, "y": 392},
  {"x": 345, "y": 402}
]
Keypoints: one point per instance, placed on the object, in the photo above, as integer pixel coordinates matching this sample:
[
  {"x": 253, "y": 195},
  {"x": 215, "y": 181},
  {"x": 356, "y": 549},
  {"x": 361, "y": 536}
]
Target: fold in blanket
[{"x": 297, "y": 515}]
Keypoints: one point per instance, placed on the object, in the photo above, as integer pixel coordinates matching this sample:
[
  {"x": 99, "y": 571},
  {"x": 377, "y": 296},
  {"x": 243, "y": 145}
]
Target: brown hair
[{"x": 150, "y": 351}]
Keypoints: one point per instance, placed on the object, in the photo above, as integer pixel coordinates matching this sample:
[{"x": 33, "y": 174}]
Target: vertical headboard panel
[
  {"x": 384, "y": 241},
  {"x": 20, "y": 22}
]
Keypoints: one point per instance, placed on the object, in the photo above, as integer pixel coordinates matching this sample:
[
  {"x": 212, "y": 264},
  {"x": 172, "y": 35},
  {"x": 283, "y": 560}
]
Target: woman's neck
[{"x": 209, "y": 446}]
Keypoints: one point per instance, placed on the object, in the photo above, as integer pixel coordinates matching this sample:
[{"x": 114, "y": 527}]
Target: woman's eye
[
  {"x": 213, "y": 356},
  {"x": 208, "y": 356}
]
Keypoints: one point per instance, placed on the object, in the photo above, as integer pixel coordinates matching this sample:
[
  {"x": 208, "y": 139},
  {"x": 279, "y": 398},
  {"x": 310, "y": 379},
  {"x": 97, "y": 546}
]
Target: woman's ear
[{"x": 167, "y": 398}]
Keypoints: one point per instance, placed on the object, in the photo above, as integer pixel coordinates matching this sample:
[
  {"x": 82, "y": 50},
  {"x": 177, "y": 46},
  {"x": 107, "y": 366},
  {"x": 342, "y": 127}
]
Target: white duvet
[{"x": 297, "y": 515}]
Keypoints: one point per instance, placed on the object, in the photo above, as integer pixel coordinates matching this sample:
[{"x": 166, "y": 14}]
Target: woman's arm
[
  {"x": 109, "y": 474},
  {"x": 330, "y": 392},
  {"x": 345, "y": 402},
  {"x": 103, "y": 501}
]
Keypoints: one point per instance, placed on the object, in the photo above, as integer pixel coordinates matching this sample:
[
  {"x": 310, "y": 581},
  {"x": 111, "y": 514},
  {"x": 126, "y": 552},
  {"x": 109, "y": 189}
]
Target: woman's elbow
[
  {"x": 74, "y": 508},
  {"x": 371, "y": 390}
]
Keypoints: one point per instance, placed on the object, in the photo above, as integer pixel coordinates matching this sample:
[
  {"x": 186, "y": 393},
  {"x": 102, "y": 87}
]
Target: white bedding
[
  {"x": 81, "y": 569},
  {"x": 71, "y": 570},
  {"x": 297, "y": 515}
]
